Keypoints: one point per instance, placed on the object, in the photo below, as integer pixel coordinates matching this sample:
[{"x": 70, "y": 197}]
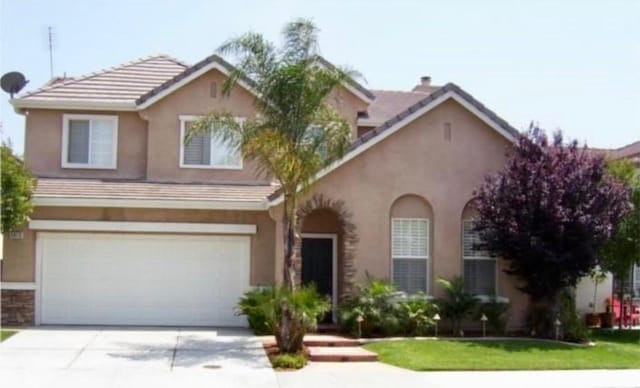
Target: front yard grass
[
  {"x": 613, "y": 350},
  {"x": 4, "y": 334}
]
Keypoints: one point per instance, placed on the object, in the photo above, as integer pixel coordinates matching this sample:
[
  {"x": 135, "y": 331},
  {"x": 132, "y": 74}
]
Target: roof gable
[{"x": 402, "y": 119}]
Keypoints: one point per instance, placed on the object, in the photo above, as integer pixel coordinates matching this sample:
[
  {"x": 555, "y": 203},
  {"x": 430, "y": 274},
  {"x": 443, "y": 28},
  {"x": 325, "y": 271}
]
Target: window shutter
[
  {"x": 410, "y": 275},
  {"x": 410, "y": 238},
  {"x": 198, "y": 150},
  {"x": 78, "y": 141}
]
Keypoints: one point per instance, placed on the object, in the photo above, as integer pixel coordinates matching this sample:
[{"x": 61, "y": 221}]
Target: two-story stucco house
[{"x": 134, "y": 227}]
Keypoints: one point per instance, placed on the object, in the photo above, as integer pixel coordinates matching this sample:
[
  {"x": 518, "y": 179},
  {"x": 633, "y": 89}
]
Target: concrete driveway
[{"x": 128, "y": 357}]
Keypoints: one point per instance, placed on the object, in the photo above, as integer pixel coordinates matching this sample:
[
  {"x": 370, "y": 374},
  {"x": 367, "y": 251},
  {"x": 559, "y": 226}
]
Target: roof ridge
[
  {"x": 103, "y": 71},
  {"x": 403, "y": 91}
]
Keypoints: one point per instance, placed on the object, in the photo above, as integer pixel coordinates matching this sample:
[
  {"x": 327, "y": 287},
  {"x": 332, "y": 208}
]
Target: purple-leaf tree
[{"x": 547, "y": 213}]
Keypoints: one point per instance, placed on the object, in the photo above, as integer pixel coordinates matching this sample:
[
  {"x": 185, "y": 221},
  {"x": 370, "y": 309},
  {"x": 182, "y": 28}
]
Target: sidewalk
[{"x": 378, "y": 375}]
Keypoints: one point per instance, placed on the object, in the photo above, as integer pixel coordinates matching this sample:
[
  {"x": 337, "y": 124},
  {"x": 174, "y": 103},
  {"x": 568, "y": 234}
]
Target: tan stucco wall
[
  {"x": 19, "y": 255},
  {"x": 418, "y": 160},
  {"x": 43, "y": 145},
  {"x": 164, "y": 129},
  {"x": 348, "y": 105}
]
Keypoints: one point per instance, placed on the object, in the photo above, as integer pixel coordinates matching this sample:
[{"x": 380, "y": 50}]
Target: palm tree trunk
[{"x": 289, "y": 222}]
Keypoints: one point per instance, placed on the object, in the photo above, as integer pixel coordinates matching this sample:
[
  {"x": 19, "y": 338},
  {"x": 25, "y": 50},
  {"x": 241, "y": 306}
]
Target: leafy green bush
[
  {"x": 457, "y": 303},
  {"x": 495, "y": 311},
  {"x": 385, "y": 311},
  {"x": 17, "y": 189},
  {"x": 267, "y": 309},
  {"x": 573, "y": 328},
  {"x": 289, "y": 361},
  {"x": 256, "y": 305},
  {"x": 416, "y": 315},
  {"x": 376, "y": 302}
]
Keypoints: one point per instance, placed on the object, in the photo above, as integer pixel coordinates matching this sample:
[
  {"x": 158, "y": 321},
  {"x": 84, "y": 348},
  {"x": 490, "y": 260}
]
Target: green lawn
[
  {"x": 613, "y": 350},
  {"x": 4, "y": 334}
]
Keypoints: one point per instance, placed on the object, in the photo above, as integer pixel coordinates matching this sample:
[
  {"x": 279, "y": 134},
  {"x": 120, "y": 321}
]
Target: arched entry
[{"x": 327, "y": 247}]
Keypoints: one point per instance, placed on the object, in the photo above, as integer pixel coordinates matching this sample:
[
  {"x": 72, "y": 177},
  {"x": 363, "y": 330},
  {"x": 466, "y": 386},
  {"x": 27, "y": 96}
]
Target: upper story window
[
  {"x": 410, "y": 254},
  {"x": 89, "y": 141},
  {"x": 479, "y": 267},
  {"x": 205, "y": 151}
]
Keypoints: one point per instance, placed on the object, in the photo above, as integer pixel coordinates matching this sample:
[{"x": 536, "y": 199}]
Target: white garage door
[{"x": 133, "y": 279}]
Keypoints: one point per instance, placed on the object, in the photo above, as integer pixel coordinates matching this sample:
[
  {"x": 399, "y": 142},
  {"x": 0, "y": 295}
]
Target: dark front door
[{"x": 317, "y": 266}]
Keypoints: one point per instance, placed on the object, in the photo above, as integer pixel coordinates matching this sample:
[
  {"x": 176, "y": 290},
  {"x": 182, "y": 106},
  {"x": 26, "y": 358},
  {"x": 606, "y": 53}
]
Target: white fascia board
[
  {"x": 151, "y": 203},
  {"x": 28, "y": 286},
  {"x": 401, "y": 124},
  {"x": 369, "y": 123},
  {"x": 73, "y": 104},
  {"x": 191, "y": 77},
  {"x": 154, "y": 227}
]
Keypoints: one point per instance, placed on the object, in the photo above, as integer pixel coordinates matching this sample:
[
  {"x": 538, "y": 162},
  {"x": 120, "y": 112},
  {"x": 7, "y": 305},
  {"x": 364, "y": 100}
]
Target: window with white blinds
[
  {"x": 89, "y": 141},
  {"x": 479, "y": 267},
  {"x": 410, "y": 254},
  {"x": 636, "y": 280},
  {"x": 205, "y": 151}
]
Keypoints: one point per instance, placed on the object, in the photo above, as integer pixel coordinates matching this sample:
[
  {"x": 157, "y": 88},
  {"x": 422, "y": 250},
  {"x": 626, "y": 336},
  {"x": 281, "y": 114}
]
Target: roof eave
[
  {"x": 62, "y": 201},
  {"x": 20, "y": 104}
]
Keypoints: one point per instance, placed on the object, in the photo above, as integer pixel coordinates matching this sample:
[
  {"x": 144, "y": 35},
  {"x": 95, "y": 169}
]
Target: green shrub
[
  {"x": 376, "y": 301},
  {"x": 457, "y": 304},
  {"x": 254, "y": 305},
  {"x": 271, "y": 309},
  {"x": 495, "y": 311},
  {"x": 385, "y": 311},
  {"x": 416, "y": 315},
  {"x": 289, "y": 361},
  {"x": 573, "y": 328}
]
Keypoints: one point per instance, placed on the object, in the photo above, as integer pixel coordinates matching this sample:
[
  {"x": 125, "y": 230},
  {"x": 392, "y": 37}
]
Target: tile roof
[
  {"x": 388, "y": 103},
  {"x": 135, "y": 190},
  {"x": 123, "y": 83}
]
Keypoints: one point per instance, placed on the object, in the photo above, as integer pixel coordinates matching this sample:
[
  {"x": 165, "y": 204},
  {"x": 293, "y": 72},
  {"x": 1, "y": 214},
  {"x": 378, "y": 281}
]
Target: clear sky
[{"x": 570, "y": 65}]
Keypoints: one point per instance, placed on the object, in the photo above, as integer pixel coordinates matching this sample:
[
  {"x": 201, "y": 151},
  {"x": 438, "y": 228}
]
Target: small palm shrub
[
  {"x": 256, "y": 305},
  {"x": 416, "y": 315},
  {"x": 457, "y": 304},
  {"x": 385, "y": 311},
  {"x": 495, "y": 311},
  {"x": 268, "y": 308}
]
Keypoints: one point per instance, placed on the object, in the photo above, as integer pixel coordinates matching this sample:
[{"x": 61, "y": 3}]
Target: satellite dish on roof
[{"x": 13, "y": 82}]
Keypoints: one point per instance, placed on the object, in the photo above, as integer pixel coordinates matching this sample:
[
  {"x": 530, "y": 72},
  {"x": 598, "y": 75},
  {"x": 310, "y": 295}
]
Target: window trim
[
  {"x": 66, "y": 118},
  {"x": 427, "y": 257},
  {"x": 187, "y": 118},
  {"x": 478, "y": 258}
]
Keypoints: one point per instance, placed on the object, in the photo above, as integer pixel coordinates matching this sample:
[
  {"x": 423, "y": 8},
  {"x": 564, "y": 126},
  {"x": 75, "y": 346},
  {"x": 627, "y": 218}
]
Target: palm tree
[{"x": 296, "y": 132}]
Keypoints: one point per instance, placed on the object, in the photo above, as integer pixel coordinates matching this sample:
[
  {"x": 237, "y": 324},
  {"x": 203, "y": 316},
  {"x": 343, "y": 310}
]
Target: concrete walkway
[
  {"x": 378, "y": 375},
  {"x": 112, "y": 357}
]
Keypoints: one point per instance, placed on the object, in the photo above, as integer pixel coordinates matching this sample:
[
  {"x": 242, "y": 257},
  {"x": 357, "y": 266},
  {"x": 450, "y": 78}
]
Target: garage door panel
[{"x": 142, "y": 279}]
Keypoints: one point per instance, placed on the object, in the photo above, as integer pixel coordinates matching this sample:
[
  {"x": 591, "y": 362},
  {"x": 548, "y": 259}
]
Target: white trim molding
[
  {"x": 401, "y": 124},
  {"x": 21, "y": 104},
  {"x": 155, "y": 227},
  {"x": 27, "y": 286},
  {"x": 334, "y": 264},
  {"x": 257, "y": 205}
]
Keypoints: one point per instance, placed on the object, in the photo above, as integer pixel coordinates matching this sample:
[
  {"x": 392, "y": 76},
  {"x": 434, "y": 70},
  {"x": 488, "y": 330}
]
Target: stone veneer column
[{"x": 18, "y": 307}]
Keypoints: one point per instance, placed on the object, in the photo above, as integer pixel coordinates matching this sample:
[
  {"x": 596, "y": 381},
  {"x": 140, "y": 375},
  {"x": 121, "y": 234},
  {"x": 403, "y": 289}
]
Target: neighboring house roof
[
  {"x": 403, "y": 118},
  {"x": 114, "y": 88},
  {"x": 388, "y": 103},
  {"x": 95, "y": 192}
]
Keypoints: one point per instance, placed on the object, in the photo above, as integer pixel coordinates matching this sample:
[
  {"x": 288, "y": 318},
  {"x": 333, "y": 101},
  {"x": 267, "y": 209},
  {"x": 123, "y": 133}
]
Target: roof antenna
[{"x": 50, "y": 50}]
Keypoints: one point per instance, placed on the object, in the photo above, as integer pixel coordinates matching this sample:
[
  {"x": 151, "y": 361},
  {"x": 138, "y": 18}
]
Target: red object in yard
[{"x": 630, "y": 312}]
